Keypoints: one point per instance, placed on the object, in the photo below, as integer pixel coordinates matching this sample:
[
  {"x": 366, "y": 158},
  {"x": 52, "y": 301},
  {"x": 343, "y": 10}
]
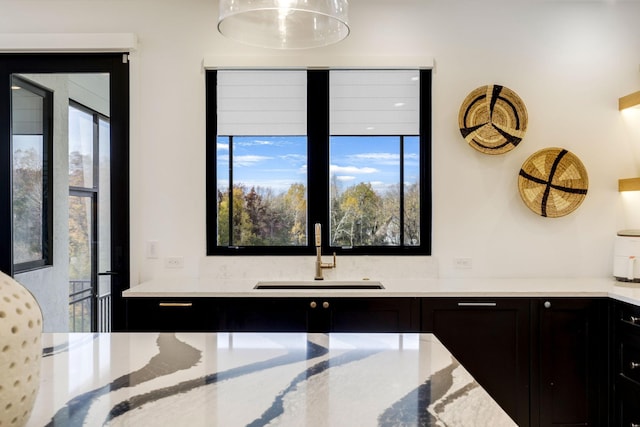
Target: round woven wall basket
[
  {"x": 553, "y": 182},
  {"x": 493, "y": 119}
]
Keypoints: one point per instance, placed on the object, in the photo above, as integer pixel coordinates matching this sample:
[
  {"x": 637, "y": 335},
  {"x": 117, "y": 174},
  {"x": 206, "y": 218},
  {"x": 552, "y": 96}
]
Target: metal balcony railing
[
  {"x": 104, "y": 313},
  {"x": 80, "y": 294}
]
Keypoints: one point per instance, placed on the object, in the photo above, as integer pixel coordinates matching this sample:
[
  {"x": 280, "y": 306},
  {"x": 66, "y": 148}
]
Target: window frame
[
  {"x": 47, "y": 177},
  {"x": 91, "y": 193},
  {"x": 318, "y": 184},
  {"x": 96, "y": 117}
]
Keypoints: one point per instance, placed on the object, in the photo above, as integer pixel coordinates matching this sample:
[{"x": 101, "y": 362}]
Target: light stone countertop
[
  {"x": 471, "y": 288},
  {"x": 252, "y": 379}
]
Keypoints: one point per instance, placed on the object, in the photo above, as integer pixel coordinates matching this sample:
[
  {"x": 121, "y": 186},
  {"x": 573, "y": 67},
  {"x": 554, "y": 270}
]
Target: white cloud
[
  {"x": 386, "y": 159},
  {"x": 255, "y": 142},
  {"x": 249, "y": 160},
  {"x": 344, "y": 178},
  {"x": 297, "y": 158},
  {"x": 376, "y": 156},
  {"x": 223, "y": 147},
  {"x": 351, "y": 170}
]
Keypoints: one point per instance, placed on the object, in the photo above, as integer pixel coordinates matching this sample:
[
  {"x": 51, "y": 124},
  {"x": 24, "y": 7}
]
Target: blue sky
[{"x": 278, "y": 162}]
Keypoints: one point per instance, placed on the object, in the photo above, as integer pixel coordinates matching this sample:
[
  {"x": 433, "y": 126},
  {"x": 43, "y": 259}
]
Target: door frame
[{"x": 117, "y": 65}]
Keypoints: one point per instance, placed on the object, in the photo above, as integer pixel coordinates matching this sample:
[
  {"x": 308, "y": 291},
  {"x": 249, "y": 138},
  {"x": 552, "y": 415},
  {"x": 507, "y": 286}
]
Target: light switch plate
[{"x": 152, "y": 249}]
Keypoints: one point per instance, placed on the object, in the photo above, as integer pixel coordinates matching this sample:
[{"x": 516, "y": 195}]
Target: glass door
[
  {"x": 82, "y": 272},
  {"x": 64, "y": 185},
  {"x": 89, "y": 222}
]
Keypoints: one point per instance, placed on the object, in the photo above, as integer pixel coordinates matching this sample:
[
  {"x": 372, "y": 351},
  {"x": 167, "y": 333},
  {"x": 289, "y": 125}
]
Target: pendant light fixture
[{"x": 284, "y": 24}]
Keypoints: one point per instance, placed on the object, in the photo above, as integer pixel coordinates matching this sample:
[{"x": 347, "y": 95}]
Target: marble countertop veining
[
  {"x": 478, "y": 287},
  {"x": 250, "y": 379}
]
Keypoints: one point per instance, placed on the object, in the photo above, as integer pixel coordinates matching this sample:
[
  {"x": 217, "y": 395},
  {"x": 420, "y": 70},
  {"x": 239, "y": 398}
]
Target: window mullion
[
  {"x": 230, "y": 196},
  {"x": 401, "y": 193},
  {"x": 95, "y": 155},
  {"x": 318, "y": 153}
]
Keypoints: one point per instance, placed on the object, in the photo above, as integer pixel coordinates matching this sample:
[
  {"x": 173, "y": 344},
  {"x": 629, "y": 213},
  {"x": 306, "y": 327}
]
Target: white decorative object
[{"x": 20, "y": 351}]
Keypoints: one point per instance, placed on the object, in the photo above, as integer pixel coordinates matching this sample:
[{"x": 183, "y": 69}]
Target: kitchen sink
[{"x": 319, "y": 284}]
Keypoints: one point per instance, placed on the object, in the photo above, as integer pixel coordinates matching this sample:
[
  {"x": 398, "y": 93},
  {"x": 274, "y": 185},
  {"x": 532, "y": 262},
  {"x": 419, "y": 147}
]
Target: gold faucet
[{"x": 319, "y": 264}]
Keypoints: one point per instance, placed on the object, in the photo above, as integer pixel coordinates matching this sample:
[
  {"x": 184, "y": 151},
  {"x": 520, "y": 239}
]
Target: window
[
  {"x": 261, "y": 159},
  {"x": 349, "y": 149},
  {"x": 32, "y": 143}
]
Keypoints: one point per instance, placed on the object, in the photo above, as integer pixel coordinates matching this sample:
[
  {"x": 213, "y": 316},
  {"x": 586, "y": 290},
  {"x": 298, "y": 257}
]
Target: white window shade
[
  {"x": 260, "y": 102},
  {"x": 374, "y": 102},
  {"x": 26, "y": 112}
]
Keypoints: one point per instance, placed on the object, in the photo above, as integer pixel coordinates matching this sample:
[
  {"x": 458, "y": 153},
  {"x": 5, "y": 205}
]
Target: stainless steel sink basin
[{"x": 320, "y": 284}]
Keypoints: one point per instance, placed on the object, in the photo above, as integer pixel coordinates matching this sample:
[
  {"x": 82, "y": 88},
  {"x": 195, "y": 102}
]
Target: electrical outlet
[
  {"x": 174, "y": 262},
  {"x": 462, "y": 263}
]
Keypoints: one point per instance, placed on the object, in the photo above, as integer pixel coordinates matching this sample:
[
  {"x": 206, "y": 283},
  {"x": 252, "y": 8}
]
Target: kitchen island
[{"x": 257, "y": 379}]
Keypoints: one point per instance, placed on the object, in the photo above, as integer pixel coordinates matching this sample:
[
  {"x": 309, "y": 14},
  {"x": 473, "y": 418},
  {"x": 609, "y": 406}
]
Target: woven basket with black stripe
[
  {"x": 493, "y": 119},
  {"x": 553, "y": 182}
]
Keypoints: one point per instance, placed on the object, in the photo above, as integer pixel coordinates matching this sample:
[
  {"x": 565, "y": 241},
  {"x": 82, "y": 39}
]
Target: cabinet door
[
  {"x": 171, "y": 315},
  {"x": 573, "y": 361},
  {"x": 490, "y": 338},
  {"x": 374, "y": 315},
  {"x": 263, "y": 314}
]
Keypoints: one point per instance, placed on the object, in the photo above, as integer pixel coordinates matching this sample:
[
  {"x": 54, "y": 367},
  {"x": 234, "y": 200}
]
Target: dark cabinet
[
  {"x": 264, "y": 314},
  {"x": 268, "y": 314},
  {"x": 311, "y": 314},
  {"x": 543, "y": 360},
  {"x": 571, "y": 366},
  {"x": 627, "y": 404},
  {"x": 490, "y": 338},
  {"x": 171, "y": 314},
  {"x": 375, "y": 315},
  {"x": 626, "y": 364}
]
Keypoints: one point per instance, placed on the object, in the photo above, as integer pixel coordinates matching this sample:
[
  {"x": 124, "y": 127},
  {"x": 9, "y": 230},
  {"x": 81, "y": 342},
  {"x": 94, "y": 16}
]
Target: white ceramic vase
[{"x": 20, "y": 351}]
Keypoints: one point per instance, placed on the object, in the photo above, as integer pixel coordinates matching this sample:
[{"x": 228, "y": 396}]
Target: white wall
[{"x": 568, "y": 60}]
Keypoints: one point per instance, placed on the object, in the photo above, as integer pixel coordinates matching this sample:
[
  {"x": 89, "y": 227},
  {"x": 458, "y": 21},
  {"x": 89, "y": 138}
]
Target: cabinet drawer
[
  {"x": 374, "y": 315},
  {"x": 264, "y": 314},
  {"x": 628, "y": 404},
  {"x": 630, "y": 352},
  {"x": 170, "y": 315},
  {"x": 629, "y": 317}
]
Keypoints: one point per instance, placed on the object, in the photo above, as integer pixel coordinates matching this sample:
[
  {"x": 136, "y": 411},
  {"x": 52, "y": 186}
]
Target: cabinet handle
[
  {"x": 634, "y": 320},
  {"x": 477, "y": 304},
  {"x": 175, "y": 304},
  {"x": 547, "y": 304},
  {"x": 634, "y": 425},
  {"x": 325, "y": 304},
  {"x": 634, "y": 365},
  {"x": 313, "y": 304}
]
